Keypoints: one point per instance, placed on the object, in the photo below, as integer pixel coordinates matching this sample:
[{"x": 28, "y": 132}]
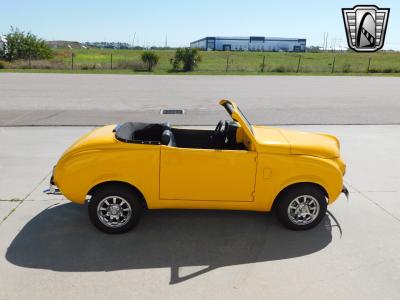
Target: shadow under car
[{"x": 61, "y": 238}]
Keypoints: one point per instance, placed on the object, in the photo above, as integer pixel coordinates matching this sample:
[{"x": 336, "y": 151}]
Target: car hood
[{"x": 285, "y": 141}]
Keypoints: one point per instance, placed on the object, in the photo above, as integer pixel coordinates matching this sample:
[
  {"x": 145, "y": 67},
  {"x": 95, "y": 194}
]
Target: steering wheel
[{"x": 220, "y": 134}]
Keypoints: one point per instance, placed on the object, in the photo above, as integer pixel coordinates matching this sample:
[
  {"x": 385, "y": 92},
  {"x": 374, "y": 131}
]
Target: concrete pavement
[
  {"x": 49, "y": 249},
  {"x": 83, "y": 99}
]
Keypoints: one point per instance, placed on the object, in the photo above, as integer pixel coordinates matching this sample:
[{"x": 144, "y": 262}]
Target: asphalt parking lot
[
  {"x": 83, "y": 99},
  {"x": 49, "y": 250}
]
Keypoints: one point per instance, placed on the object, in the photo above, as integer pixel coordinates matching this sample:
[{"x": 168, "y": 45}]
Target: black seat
[
  {"x": 167, "y": 138},
  {"x": 131, "y": 132}
]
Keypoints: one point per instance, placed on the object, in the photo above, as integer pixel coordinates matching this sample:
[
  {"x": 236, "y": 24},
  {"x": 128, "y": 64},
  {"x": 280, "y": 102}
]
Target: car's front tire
[
  {"x": 301, "y": 207},
  {"x": 115, "y": 209}
]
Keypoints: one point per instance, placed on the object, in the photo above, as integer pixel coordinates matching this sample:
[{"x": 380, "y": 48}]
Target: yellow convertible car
[{"x": 122, "y": 169}]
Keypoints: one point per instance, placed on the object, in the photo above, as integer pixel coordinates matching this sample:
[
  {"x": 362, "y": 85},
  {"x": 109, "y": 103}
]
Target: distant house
[
  {"x": 108, "y": 45},
  {"x": 250, "y": 43},
  {"x": 64, "y": 44}
]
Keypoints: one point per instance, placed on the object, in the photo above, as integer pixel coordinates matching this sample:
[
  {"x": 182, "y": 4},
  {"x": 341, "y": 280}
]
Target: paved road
[
  {"x": 68, "y": 99},
  {"x": 49, "y": 250}
]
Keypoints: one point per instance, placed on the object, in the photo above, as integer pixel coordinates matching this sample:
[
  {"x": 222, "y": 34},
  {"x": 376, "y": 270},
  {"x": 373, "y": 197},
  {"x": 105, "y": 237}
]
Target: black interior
[
  {"x": 142, "y": 133},
  {"x": 192, "y": 138},
  {"x": 203, "y": 139},
  {"x": 223, "y": 137}
]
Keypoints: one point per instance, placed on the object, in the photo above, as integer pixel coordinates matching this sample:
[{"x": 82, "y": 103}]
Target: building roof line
[{"x": 238, "y": 38}]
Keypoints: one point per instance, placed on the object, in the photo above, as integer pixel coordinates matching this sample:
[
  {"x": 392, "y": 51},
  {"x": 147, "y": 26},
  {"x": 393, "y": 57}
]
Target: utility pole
[
  {"x": 326, "y": 42},
  {"x": 133, "y": 40},
  {"x": 166, "y": 41}
]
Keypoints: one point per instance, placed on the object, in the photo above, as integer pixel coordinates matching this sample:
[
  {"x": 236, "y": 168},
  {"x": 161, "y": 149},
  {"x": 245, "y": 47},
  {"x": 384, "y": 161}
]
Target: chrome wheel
[
  {"x": 303, "y": 210},
  {"x": 114, "y": 211}
]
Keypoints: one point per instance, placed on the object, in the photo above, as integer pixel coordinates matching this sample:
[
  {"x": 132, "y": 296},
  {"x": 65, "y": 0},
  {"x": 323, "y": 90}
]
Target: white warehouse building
[{"x": 251, "y": 43}]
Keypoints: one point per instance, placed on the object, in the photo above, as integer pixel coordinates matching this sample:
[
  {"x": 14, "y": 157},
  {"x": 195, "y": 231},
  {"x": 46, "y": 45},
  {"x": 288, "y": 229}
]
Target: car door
[{"x": 207, "y": 174}]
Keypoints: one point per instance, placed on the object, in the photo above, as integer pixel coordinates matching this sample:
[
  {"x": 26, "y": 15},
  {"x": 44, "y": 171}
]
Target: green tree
[
  {"x": 150, "y": 59},
  {"x": 186, "y": 59},
  {"x": 21, "y": 45}
]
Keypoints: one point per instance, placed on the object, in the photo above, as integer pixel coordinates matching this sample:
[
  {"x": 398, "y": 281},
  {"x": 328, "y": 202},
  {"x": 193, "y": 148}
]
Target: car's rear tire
[
  {"x": 115, "y": 209},
  {"x": 301, "y": 207}
]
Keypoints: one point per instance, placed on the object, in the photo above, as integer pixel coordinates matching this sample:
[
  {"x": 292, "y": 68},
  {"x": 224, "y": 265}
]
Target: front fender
[{"x": 277, "y": 172}]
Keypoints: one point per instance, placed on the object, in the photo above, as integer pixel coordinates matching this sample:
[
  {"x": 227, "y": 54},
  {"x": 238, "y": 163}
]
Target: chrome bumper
[{"x": 53, "y": 189}]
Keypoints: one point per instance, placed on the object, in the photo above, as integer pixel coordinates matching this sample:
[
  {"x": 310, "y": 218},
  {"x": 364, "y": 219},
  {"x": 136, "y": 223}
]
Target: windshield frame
[
  {"x": 245, "y": 119},
  {"x": 233, "y": 110}
]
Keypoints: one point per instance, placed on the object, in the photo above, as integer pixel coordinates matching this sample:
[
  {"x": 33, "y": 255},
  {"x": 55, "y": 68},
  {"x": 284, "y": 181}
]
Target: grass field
[{"x": 128, "y": 61}]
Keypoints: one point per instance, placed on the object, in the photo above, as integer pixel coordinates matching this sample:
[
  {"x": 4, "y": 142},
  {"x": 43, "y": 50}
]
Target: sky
[{"x": 183, "y": 21}]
